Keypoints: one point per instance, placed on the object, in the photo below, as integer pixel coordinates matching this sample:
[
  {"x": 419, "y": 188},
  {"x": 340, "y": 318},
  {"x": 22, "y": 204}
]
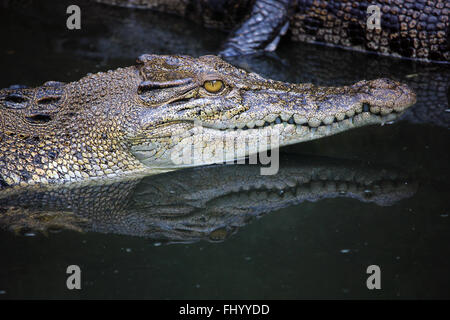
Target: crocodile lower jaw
[{"x": 202, "y": 145}]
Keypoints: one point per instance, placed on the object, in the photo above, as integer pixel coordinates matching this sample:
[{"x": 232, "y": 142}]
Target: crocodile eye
[{"x": 213, "y": 86}]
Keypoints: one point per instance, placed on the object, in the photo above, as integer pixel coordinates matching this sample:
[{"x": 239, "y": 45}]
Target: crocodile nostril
[
  {"x": 48, "y": 100},
  {"x": 40, "y": 118},
  {"x": 15, "y": 98}
]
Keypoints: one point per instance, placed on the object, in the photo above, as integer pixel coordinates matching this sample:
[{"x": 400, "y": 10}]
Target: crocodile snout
[{"x": 385, "y": 95}]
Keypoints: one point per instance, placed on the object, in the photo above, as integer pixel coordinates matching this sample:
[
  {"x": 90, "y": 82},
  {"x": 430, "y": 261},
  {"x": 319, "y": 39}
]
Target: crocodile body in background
[
  {"x": 409, "y": 28},
  {"x": 134, "y": 120},
  {"x": 207, "y": 203}
]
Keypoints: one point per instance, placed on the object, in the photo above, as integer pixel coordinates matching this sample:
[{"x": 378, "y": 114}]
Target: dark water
[{"x": 227, "y": 232}]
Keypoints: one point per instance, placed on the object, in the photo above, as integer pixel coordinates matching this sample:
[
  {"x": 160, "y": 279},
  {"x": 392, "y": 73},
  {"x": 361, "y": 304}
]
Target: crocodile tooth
[
  {"x": 350, "y": 113},
  {"x": 313, "y": 122},
  {"x": 291, "y": 182},
  {"x": 240, "y": 125},
  {"x": 359, "y": 109},
  {"x": 279, "y": 127},
  {"x": 328, "y": 120},
  {"x": 385, "y": 111},
  {"x": 301, "y": 130},
  {"x": 340, "y": 116},
  {"x": 285, "y": 116},
  {"x": 289, "y": 130},
  {"x": 280, "y": 185},
  {"x": 375, "y": 109},
  {"x": 270, "y": 118},
  {"x": 322, "y": 129},
  {"x": 251, "y": 124},
  {"x": 313, "y": 130},
  {"x": 398, "y": 108},
  {"x": 299, "y": 119},
  {"x": 390, "y": 117},
  {"x": 259, "y": 123}
]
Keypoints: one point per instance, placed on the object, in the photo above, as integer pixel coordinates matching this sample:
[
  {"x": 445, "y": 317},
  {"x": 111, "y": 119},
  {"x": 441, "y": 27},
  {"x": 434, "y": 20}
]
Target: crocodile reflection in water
[{"x": 208, "y": 203}]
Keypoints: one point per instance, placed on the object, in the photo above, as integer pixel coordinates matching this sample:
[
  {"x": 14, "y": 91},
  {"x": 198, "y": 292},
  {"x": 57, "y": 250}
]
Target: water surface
[{"x": 241, "y": 236}]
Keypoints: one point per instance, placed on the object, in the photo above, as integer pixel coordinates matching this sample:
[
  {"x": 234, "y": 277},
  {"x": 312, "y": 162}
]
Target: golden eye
[{"x": 213, "y": 86}]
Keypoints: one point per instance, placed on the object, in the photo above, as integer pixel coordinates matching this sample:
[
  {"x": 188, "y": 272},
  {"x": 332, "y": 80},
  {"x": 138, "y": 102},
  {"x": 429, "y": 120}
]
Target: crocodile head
[
  {"x": 212, "y": 111},
  {"x": 172, "y": 111}
]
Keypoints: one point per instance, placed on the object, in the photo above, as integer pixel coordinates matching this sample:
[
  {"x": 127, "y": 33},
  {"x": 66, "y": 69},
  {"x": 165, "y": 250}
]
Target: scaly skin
[
  {"x": 209, "y": 203},
  {"x": 134, "y": 120},
  {"x": 417, "y": 29}
]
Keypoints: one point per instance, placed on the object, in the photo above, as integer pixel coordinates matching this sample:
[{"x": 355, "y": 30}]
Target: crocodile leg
[{"x": 261, "y": 31}]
